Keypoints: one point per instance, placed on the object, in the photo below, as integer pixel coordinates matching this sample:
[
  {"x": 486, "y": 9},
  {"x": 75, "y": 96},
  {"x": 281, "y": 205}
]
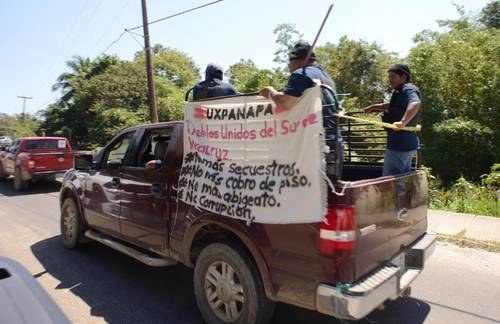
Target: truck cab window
[
  {"x": 118, "y": 149},
  {"x": 14, "y": 147},
  {"x": 154, "y": 147}
]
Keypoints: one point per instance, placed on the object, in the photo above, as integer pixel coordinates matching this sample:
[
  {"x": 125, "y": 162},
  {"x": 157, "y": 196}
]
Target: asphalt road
[{"x": 97, "y": 284}]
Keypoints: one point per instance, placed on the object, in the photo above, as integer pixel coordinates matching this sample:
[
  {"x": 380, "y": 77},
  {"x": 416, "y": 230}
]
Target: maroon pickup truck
[
  {"x": 29, "y": 159},
  {"x": 371, "y": 247}
]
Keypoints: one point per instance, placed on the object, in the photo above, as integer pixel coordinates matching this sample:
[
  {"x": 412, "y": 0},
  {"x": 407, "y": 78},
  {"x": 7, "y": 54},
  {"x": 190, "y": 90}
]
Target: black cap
[
  {"x": 214, "y": 71},
  {"x": 300, "y": 51},
  {"x": 400, "y": 69}
]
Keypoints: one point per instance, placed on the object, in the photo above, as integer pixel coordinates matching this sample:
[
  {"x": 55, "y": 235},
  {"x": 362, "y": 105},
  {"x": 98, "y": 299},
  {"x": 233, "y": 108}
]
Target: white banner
[{"x": 248, "y": 159}]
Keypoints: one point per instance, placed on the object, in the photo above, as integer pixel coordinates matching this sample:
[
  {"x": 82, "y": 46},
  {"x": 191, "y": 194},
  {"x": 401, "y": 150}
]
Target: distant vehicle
[
  {"x": 29, "y": 159},
  {"x": 5, "y": 141}
]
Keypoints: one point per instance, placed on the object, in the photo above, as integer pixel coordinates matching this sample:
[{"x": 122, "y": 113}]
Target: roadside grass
[{"x": 460, "y": 240}]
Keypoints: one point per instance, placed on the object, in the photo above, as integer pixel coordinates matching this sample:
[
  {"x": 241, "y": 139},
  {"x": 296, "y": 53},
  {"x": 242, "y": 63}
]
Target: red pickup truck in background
[{"x": 29, "y": 159}]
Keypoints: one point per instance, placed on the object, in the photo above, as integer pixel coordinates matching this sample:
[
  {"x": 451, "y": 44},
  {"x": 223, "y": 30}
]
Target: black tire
[
  {"x": 3, "y": 176},
  {"x": 72, "y": 227},
  {"x": 19, "y": 183},
  {"x": 228, "y": 275}
]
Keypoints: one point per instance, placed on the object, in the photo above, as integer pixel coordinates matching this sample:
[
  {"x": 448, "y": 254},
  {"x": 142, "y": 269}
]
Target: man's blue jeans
[{"x": 397, "y": 162}]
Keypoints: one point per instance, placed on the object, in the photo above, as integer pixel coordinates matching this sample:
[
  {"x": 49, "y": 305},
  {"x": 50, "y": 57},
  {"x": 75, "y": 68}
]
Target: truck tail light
[
  {"x": 31, "y": 164},
  {"x": 337, "y": 233}
]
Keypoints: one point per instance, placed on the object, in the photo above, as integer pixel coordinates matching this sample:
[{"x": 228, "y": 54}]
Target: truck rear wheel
[
  {"x": 228, "y": 287},
  {"x": 19, "y": 183},
  {"x": 3, "y": 176},
  {"x": 72, "y": 228}
]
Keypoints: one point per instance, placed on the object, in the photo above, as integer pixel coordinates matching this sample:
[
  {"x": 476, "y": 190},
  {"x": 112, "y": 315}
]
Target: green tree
[
  {"x": 247, "y": 77},
  {"x": 460, "y": 147},
  {"x": 490, "y": 15},
  {"x": 122, "y": 88},
  {"x": 286, "y": 37},
  {"x": 458, "y": 72},
  {"x": 358, "y": 69},
  {"x": 105, "y": 94},
  {"x": 81, "y": 69},
  {"x": 19, "y": 125},
  {"x": 175, "y": 73},
  {"x": 72, "y": 114}
]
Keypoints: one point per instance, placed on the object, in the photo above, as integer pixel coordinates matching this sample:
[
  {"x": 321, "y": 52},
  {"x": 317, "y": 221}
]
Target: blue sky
[{"x": 38, "y": 37}]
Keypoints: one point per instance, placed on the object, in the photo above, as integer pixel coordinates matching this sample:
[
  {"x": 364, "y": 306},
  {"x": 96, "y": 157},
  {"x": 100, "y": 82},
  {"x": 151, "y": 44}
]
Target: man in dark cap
[
  {"x": 301, "y": 78},
  {"x": 303, "y": 73},
  {"x": 402, "y": 110},
  {"x": 212, "y": 86}
]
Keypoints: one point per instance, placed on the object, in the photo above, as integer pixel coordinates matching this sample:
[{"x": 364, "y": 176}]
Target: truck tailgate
[
  {"x": 52, "y": 161},
  {"x": 391, "y": 213}
]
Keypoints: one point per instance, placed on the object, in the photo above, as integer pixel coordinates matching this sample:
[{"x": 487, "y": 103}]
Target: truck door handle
[
  {"x": 157, "y": 189},
  {"x": 115, "y": 182},
  {"x": 402, "y": 213}
]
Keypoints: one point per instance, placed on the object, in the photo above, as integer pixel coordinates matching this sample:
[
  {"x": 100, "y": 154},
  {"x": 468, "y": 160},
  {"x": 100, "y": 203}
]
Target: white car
[{"x": 5, "y": 141}]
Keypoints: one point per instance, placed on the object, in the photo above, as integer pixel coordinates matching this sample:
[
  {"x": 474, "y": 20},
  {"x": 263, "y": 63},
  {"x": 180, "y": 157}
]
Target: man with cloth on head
[
  {"x": 212, "y": 86},
  {"x": 402, "y": 110},
  {"x": 303, "y": 73}
]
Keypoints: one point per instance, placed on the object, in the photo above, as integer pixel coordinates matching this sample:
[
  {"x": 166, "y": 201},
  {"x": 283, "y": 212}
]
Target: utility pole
[
  {"x": 24, "y": 104},
  {"x": 153, "y": 110}
]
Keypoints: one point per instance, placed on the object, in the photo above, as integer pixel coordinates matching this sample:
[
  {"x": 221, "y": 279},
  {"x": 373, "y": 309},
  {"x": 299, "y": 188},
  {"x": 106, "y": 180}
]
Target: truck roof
[{"x": 43, "y": 138}]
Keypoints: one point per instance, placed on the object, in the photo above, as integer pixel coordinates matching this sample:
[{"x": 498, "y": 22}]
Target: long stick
[
  {"x": 381, "y": 124},
  {"x": 319, "y": 32}
]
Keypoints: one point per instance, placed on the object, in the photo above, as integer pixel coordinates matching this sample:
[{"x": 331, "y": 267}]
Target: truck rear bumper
[
  {"x": 355, "y": 301},
  {"x": 47, "y": 174}
]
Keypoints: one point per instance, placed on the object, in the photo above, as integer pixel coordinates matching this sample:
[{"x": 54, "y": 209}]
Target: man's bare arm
[
  {"x": 279, "y": 98},
  {"x": 411, "y": 111}
]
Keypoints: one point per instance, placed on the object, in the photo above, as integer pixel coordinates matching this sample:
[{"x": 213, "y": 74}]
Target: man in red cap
[{"x": 402, "y": 110}]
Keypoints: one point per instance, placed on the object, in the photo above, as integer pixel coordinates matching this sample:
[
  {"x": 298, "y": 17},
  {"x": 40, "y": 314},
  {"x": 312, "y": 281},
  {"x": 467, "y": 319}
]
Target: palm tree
[{"x": 81, "y": 69}]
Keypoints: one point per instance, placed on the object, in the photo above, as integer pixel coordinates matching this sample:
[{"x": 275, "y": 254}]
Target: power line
[
  {"x": 129, "y": 30},
  {"x": 61, "y": 48},
  {"x": 177, "y": 14},
  {"x": 86, "y": 24},
  {"x": 63, "y": 45},
  {"x": 126, "y": 30},
  {"x": 132, "y": 35},
  {"x": 113, "y": 22},
  {"x": 114, "y": 42},
  {"x": 75, "y": 40}
]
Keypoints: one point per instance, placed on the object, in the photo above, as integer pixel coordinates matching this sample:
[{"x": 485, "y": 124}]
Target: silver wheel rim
[
  {"x": 224, "y": 291},
  {"x": 69, "y": 223}
]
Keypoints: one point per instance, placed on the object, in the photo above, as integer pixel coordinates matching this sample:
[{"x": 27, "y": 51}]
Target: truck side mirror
[
  {"x": 83, "y": 161},
  {"x": 114, "y": 164}
]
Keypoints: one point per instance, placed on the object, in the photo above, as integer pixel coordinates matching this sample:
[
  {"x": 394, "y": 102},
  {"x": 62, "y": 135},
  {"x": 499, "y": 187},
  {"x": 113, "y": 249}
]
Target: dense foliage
[
  {"x": 101, "y": 96},
  {"x": 460, "y": 148},
  {"x": 467, "y": 197},
  {"x": 459, "y": 74}
]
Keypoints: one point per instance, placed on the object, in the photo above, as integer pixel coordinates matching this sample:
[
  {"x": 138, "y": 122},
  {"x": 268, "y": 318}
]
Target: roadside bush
[
  {"x": 459, "y": 147},
  {"x": 467, "y": 197}
]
